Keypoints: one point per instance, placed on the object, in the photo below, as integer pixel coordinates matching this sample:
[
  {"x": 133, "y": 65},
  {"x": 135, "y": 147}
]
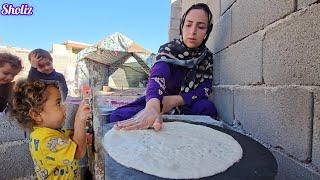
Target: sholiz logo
[{"x": 11, "y": 10}]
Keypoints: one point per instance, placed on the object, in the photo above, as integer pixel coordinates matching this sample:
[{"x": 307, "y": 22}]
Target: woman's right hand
[
  {"x": 143, "y": 120},
  {"x": 148, "y": 117}
]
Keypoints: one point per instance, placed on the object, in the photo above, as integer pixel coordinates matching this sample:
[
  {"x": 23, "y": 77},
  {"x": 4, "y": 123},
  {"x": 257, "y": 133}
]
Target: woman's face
[
  {"x": 7, "y": 73},
  {"x": 195, "y": 28}
]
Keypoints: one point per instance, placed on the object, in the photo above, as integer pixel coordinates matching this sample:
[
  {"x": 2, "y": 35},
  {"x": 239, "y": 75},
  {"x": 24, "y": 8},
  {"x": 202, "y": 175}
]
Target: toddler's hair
[
  {"x": 42, "y": 53},
  {"x": 28, "y": 95},
  {"x": 13, "y": 60}
]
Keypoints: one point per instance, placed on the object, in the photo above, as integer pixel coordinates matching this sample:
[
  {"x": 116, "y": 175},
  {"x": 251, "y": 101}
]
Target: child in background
[
  {"x": 42, "y": 68},
  {"x": 37, "y": 106},
  {"x": 10, "y": 66}
]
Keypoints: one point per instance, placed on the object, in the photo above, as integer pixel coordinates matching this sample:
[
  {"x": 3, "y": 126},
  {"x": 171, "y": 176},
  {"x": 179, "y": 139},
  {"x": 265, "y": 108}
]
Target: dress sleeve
[
  {"x": 159, "y": 74},
  {"x": 202, "y": 91}
]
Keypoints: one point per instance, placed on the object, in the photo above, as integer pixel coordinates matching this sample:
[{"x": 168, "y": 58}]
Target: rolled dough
[{"x": 178, "y": 151}]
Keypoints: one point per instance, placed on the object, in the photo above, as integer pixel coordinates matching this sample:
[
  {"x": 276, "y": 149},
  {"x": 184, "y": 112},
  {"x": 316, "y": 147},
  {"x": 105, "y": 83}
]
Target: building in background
[{"x": 128, "y": 74}]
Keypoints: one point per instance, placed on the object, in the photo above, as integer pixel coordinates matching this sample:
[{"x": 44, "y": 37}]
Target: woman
[{"x": 180, "y": 79}]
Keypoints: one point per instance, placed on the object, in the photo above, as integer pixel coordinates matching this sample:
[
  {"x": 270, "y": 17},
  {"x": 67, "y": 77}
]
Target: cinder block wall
[
  {"x": 15, "y": 158},
  {"x": 267, "y": 64}
]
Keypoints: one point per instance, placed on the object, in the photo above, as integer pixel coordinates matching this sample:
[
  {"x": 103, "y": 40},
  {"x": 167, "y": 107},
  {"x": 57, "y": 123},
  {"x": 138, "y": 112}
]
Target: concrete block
[
  {"x": 176, "y": 12},
  {"x": 249, "y": 16},
  {"x": 291, "y": 169},
  {"x": 15, "y": 160},
  {"x": 3, "y": 119},
  {"x": 225, "y": 5},
  {"x": 27, "y": 177},
  {"x": 11, "y": 132},
  {"x": 241, "y": 63},
  {"x": 279, "y": 116},
  {"x": 174, "y": 23},
  {"x": 187, "y": 3},
  {"x": 214, "y": 6},
  {"x": 220, "y": 36},
  {"x": 216, "y": 69},
  {"x": 223, "y": 100},
  {"x": 173, "y": 33},
  {"x": 291, "y": 51},
  {"x": 304, "y": 3},
  {"x": 316, "y": 129}
]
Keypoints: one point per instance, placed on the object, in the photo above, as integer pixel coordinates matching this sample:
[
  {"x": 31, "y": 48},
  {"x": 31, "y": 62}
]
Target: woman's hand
[
  {"x": 143, "y": 120},
  {"x": 148, "y": 117}
]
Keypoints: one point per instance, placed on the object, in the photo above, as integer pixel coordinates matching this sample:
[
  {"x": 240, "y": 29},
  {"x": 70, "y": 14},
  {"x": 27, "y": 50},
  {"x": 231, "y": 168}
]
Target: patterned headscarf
[{"x": 198, "y": 61}]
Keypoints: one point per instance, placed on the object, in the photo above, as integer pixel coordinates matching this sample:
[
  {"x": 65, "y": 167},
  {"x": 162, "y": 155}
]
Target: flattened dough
[{"x": 178, "y": 151}]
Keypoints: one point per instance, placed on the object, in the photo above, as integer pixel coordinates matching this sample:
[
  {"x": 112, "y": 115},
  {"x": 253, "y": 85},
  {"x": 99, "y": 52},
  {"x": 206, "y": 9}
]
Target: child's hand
[
  {"x": 84, "y": 112},
  {"x": 79, "y": 137},
  {"x": 34, "y": 59}
]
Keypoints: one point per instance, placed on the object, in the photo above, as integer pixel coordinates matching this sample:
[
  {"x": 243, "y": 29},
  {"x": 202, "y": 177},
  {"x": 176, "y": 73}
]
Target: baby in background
[
  {"x": 37, "y": 106},
  {"x": 42, "y": 68}
]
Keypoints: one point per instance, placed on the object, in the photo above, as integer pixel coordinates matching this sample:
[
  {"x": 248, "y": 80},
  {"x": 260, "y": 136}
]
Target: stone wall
[
  {"x": 267, "y": 64},
  {"x": 14, "y": 152}
]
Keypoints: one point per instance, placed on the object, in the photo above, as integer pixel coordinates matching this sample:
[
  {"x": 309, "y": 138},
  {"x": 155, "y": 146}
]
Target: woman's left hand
[{"x": 170, "y": 102}]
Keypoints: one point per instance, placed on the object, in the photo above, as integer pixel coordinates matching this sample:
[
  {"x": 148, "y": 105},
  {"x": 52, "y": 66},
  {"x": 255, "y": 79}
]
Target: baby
[{"x": 42, "y": 68}]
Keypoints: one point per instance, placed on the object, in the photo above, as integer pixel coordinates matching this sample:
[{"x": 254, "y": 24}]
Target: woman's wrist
[{"x": 153, "y": 104}]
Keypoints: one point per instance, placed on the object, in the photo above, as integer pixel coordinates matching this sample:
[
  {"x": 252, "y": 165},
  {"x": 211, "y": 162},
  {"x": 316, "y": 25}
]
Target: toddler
[{"x": 37, "y": 106}]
